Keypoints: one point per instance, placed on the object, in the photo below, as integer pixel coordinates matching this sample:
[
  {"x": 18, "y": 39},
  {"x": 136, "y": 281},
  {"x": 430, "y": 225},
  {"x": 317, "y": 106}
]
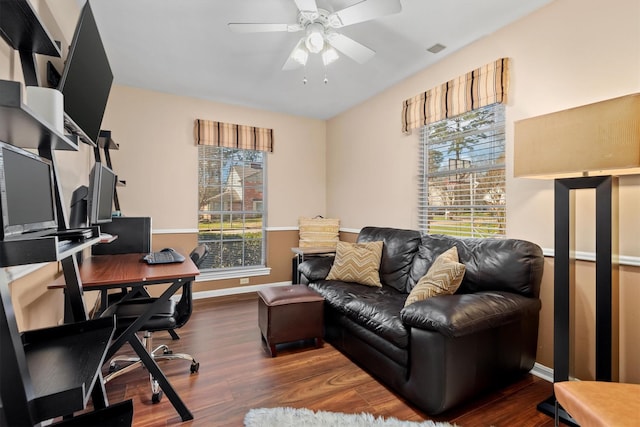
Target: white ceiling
[{"x": 184, "y": 47}]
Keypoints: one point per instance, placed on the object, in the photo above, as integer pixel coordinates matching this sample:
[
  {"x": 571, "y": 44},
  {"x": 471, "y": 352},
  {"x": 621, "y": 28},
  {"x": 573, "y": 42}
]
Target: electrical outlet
[{"x": 244, "y": 281}]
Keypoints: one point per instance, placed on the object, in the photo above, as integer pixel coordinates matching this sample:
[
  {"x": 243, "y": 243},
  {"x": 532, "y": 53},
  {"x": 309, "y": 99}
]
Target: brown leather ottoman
[{"x": 289, "y": 313}]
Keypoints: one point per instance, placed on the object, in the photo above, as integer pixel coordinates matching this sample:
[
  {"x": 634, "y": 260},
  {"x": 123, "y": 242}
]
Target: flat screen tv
[
  {"x": 86, "y": 79},
  {"x": 27, "y": 199},
  {"x": 102, "y": 185}
]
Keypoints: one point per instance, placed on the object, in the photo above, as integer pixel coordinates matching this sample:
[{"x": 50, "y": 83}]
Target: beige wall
[
  {"x": 569, "y": 53},
  {"x": 559, "y": 59},
  {"x": 159, "y": 159}
]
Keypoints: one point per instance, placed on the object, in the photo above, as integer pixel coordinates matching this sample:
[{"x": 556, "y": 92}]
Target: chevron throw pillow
[
  {"x": 357, "y": 262},
  {"x": 443, "y": 278}
]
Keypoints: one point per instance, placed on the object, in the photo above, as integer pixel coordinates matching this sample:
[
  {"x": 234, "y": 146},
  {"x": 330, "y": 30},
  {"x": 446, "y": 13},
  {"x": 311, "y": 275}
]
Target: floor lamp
[{"x": 582, "y": 148}]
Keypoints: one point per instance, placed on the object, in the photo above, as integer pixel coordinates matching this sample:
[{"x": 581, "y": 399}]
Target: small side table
[{"x": 308, "y": 252}]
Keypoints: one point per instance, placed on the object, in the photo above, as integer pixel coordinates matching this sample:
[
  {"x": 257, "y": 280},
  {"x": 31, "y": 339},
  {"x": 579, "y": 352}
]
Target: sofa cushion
[
  {"x": 463, "y": 314},
  {"x": 398, "y": 251},
  {"x": 492, "y": 264},
  {"x": 443, "y": 278},
  {"x": 376, "y": 309},
  {"x": 357, "y": 262}
]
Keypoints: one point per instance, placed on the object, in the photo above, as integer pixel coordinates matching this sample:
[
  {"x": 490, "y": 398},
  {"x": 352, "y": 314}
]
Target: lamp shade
[{"x": 595, "y": 139}]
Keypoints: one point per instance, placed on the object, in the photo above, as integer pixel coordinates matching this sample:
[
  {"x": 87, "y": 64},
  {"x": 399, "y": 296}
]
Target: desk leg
[
  {"x": 99, "y": 394},
  {"x": 153, "y": 368},
  {"x": 129, "y": 335},
  {"x": 117, "y": 342}
]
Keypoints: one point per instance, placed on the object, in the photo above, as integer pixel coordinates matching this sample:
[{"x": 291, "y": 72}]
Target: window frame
[
  {"x": 228, "y": 216},
  {"x": 448, "y": 192}
]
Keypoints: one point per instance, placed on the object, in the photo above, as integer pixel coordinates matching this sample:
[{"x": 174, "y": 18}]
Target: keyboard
[{"x": 166, "y": 256}]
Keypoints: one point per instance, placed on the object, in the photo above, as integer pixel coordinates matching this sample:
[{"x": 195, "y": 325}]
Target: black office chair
[{"x": 169, "y": 316}]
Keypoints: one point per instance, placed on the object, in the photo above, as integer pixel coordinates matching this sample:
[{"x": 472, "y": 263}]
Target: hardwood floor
[{"x": 236, "y": 375}]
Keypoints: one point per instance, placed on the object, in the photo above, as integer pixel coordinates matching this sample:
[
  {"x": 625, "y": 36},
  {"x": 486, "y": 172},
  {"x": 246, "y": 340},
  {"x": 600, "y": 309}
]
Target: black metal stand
[
  {"x": 564, "y": 207},
  {"x": 106, "y": 143}
]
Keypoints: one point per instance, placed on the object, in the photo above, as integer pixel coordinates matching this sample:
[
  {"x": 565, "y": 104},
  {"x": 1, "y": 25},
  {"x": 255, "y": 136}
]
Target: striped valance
[
  {"x": 230, "y": 135},
  {"x": 483, "y": 86}
]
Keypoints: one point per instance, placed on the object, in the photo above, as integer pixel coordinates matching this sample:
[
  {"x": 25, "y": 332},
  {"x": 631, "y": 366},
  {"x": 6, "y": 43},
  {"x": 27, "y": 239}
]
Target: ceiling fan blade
[
  {"x": 364, "y": 11},
  {"x": 356, "y": 51},
  {"x": 247, "y": 27},
  {"x": 292, "y": 63},
  {"x": 308, "y": 8}
]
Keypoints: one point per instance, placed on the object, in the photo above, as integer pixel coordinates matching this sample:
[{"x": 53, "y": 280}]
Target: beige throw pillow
[
  {"x": 443, "y": 278},
  {"x": 357, "y": 262},
  {"x": 318, "y": 232}
]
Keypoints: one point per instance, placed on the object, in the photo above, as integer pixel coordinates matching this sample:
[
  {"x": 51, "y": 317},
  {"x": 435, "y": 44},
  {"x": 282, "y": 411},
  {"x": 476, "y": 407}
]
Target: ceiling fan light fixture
[
  {"x": 300, "y": 55},
  {"x": 297, "y": 57},
  {"x": 329, "y": 55},
  {"x": 315, "y": 38}
]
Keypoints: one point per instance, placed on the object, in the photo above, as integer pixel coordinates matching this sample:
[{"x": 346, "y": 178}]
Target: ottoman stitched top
[{"x": 281, "y": 295}]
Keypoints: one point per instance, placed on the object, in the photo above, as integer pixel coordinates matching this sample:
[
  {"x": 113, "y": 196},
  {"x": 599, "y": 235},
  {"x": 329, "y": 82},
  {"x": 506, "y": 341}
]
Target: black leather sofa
[{"x": 442, "y": 351}]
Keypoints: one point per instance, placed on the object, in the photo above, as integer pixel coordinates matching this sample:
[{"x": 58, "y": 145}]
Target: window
[
  {"x": 231, "y": 216},
  {"x": 462, "y": 175}
]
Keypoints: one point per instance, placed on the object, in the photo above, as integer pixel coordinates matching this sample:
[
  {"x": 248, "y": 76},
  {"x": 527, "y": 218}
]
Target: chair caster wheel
[
  {"x": 195, "y": 367},
  {"x": 167, "y": 351},
  {"x": 113, "y": 368},
  {"x": 155, "y": 398}
]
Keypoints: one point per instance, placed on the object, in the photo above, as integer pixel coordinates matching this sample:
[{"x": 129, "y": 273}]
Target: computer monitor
[
  {"x": 102, "y": 184},
  {"x": 87, "y": 77},
  {"x": 27, "y": 198}
]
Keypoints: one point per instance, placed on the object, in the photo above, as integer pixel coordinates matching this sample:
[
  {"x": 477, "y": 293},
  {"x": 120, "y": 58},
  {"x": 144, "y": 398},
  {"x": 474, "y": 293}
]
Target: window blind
[{"x": 462, "y": 174}]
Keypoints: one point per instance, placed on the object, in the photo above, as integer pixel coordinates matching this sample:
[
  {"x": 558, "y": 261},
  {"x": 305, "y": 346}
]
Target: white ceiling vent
[{"x": 436, "y": 48}]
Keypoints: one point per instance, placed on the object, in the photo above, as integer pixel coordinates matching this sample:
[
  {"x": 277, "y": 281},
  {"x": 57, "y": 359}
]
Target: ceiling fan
[{"x": 320, "y": 27}]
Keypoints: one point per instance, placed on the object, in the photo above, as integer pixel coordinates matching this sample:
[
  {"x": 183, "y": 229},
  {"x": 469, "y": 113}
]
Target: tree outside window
[{"x": 462, "y": 174}]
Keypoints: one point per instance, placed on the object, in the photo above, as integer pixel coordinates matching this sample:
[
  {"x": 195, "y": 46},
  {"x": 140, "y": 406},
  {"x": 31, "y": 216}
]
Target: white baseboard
[
  {"x": 235, "y": 291},
  {"x": 542, "y": 371}
]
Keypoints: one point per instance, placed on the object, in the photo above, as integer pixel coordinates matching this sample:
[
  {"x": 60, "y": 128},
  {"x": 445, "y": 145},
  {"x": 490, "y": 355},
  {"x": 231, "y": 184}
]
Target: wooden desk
[{"x": 101, "y": 272}]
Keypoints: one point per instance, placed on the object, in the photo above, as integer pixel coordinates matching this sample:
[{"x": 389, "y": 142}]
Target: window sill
[{"x": 235, "y": 273}]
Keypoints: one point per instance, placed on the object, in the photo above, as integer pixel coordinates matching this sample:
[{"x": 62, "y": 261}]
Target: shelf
[
  {"x": 22, "y": 30},
  {"x": 105, "y": 141},
  {"x": 41, "y": 249},
  {"x": 64, "y": 363},
  {"x": 20, "y": 126},
  {"x": 116, "y": 415},
  {"x": 107, "y": 238}
]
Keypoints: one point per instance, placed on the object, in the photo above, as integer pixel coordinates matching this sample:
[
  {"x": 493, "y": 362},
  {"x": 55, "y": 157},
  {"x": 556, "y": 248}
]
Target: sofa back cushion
[
  {"x": 491, "y": 264},
  {"x": 398, "y": 250}
]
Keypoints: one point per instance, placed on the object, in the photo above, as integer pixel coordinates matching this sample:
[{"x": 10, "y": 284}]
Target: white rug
[{"x": 290, "y": 417}]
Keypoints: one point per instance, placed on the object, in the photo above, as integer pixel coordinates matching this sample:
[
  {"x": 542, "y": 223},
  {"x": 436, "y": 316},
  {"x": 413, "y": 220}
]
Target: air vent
[{"x": 436, "y": 48}]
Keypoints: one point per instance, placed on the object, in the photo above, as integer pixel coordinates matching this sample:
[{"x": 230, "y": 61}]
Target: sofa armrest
[
  {"x": 316, "y": 268},
  {"x": 463, "y": 314}
]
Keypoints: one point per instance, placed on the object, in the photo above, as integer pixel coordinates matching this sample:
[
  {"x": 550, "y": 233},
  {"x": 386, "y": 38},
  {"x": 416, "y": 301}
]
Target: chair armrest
[
  {"x": 316, "y": 268},
  {"x": 463, "y": 314}
]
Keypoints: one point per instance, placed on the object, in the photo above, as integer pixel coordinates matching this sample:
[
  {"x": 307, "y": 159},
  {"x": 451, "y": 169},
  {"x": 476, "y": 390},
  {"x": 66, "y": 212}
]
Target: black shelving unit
[
  {"x": 21, "y": 28},
  {"x": 106, "y": 143},
  {"x": 20, "y": 126},
  {"x": 42, "y": 249},
  {"x": 52, "y": 372}
]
